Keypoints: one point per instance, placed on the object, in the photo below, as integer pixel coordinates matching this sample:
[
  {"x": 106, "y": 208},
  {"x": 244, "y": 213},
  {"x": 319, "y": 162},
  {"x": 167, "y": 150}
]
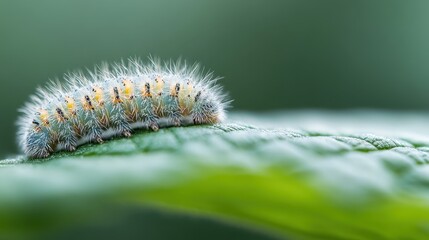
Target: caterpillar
[{"x": 115, "y": 100}]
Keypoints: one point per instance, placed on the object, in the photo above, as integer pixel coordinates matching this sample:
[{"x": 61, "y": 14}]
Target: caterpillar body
[{"x": 115, "y": 100}]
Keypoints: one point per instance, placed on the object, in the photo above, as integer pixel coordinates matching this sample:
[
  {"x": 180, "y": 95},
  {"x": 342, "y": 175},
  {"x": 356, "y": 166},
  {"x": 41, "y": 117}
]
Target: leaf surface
[{"x": 304, "y": 175}]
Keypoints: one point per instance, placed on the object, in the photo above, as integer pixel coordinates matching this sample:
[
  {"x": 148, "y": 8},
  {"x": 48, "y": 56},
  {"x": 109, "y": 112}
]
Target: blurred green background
[{"x": 283, "y": 54}]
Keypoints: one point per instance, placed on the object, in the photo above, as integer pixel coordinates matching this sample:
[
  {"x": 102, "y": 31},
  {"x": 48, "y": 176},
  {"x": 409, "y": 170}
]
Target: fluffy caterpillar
[{"x": 114, "y": 100}]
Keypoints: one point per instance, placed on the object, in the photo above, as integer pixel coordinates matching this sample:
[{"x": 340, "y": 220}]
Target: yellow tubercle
[
  {"x": 159, "y": 85},
  {"x": 185, "y": 91},
  {"x": 71, "y": 105},
  {"x": 185, "y": 96},
  {"x": 44, "y": 117},
  {"x": 174, "y": 89},
  {"x": 128, "y": 89},
  {"x": 189, "y": 88},
  {"x": 98, "y": 95}
]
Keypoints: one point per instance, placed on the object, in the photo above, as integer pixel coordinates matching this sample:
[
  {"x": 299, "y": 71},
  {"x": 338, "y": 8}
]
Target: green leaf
[{"x": 358, "y": 175}]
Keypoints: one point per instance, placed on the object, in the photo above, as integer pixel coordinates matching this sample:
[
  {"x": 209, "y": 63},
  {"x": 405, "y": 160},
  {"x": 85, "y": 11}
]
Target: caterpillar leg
[
  {"x": 197, "y": 119},
  {"x": 69, "y": 143},
  {"x": 175, "y": 119},
  {"x": 152, "y": 122},
  {"x": 89, "y": 127},
  {"x": 173, "y": 112},
  {"x": 68, "y": 139},
  {"x": 148, "y": 115},
  {"x": 119, "y": 122},
  {"x": 37, "y": 145},
  {"x": 95, "y": 131},
  {"x": 154, "y": 126}
]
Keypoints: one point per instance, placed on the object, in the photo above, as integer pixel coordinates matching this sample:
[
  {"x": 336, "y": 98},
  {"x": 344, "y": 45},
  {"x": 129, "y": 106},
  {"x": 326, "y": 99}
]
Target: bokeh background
[{"x": 278, "y": 54}]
